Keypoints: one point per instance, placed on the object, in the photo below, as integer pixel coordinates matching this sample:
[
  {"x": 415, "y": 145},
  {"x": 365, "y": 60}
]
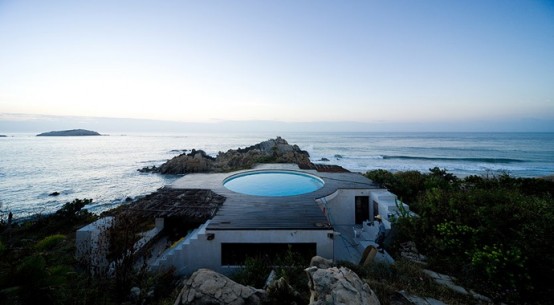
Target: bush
[
  {"x": 289, "y": 266},
  {"x": 492, "y": 232},
  {"x": 49, "y": 242}
]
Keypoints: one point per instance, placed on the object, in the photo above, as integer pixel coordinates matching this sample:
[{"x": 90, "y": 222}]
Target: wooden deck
[{"x": 245, "y": 212}]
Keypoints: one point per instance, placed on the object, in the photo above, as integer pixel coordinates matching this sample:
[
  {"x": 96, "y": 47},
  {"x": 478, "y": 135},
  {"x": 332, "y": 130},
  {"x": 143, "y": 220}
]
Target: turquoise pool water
[{"x": 273, "y": 183}]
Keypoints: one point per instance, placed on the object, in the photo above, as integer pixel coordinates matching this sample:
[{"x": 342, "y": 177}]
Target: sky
[{"x": 429, "y": 64}]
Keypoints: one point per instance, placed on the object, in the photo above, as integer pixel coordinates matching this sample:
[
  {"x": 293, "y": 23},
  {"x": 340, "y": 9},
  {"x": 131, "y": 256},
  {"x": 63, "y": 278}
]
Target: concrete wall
[
  {"x": 206, "y": 253},
  {"x": 91, "y": 243},
  {"x": 340, "y": 206},
  {"x": 387, "y": 203}
]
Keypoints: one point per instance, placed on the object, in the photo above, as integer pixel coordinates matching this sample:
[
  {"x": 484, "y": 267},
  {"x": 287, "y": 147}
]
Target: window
[{"x": 235, "y": 254}]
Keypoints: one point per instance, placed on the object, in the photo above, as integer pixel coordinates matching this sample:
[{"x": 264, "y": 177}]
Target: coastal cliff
[
  {"x": 69, "y": 133},
  {"x": 276, "y": 150}
]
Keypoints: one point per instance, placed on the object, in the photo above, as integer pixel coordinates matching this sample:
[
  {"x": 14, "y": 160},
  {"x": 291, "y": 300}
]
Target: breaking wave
[{"x": 478, "y": 160}]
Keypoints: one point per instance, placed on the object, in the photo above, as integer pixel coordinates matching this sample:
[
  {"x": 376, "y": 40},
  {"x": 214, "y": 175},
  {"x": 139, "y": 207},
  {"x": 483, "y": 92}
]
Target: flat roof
[{"x": 246, "y": 212}]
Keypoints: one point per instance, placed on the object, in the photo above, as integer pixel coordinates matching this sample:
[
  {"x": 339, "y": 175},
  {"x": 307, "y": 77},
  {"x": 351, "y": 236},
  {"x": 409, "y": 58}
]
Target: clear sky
[{"x": 292, "y": 61}]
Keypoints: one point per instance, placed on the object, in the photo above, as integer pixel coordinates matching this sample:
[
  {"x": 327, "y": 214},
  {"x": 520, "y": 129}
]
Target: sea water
[{"x": 105, "y": 168}]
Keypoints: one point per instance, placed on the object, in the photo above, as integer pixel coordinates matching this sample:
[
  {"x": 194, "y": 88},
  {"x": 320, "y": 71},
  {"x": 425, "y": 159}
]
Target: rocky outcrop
[
  {"x": 69, "y": 133},
  {"x": 338, "y": 286},
  {"x": 270, "y": 151},
  {"x": 208, "y": 287},
  {"x": 197, "y": 161}
]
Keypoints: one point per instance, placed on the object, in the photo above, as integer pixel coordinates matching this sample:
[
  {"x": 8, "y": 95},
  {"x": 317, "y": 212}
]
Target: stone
[
  {"x": 54, "y": 194},
  {"x": 404, "y": 298},
  {"x": 281, "y": 291},
  {"x": 321, "y": 263},
  {"x": 134, "y": 293},
  {"x": 208, "y": 287},
  {"x": 338, "y": 286},
  {"x": 408, "y": 250}
]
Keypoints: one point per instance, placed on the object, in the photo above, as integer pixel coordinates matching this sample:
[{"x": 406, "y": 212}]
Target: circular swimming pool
[{"x": 273, "y": 183}]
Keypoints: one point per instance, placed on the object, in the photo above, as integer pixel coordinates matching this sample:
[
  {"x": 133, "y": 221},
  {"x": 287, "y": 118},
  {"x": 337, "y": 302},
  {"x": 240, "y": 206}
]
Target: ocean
[{"x": 105, "y": 168}]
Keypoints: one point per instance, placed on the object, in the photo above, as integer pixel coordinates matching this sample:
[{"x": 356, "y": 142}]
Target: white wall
[
  {"x": 387, "y": 203},
  {"x": 91, "y": 243},
  {"x": 206, "y": 253},
  {"x": 340, "y": 206}
]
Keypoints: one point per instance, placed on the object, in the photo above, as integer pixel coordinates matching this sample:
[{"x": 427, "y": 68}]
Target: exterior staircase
[{"x": 178, "y": 256}]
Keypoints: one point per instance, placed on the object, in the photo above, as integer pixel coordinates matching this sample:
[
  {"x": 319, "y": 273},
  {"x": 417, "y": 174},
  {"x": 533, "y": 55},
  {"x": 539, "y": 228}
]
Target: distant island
[
  {"x": 3, "y": 135},
  {"x": 69, "y": 133}
]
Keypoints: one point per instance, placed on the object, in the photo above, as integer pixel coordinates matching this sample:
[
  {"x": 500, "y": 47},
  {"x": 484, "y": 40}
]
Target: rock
[
  {"x": 134, "y": 294},
  {"x": 404, "y": 298},
  {"x": 321, "y": 263},
  {"x": 338, "y": 286},
  {"x": 69, "y": 133},
  {"x": 283, "y": 293},
  {"x": 3, "y": 135},
  {"x": 208, "y": 287},
  {"x": 338, "y": 157},
  {"x": 149, "y": 169},
  {"x": 54, "y": 194},
  {"x": 324, "y": 160},
  {"x": 197, "y": 161},
  {"x": 449, "y": 282},
  {"x": 270, "y": 151},
  {"x": 409, "y": 251}
]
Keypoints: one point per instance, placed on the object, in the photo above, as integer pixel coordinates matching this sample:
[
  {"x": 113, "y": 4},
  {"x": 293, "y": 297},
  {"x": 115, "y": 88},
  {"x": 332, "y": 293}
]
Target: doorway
[{"x": 361, "y": 209}]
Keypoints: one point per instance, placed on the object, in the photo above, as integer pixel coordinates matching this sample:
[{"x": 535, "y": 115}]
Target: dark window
[{"x": 235, "y": 254}]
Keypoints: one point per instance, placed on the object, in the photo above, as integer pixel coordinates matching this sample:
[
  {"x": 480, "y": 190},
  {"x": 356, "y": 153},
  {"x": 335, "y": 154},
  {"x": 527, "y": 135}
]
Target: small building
[
  {"x": 218, "y": 220},
  {"x": 256, "y": 222}
]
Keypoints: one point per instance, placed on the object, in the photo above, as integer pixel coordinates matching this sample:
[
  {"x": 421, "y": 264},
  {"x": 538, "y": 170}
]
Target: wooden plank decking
[{"x": 245, "y": 212}]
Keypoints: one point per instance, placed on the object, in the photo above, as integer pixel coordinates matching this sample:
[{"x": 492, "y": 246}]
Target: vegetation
[
  {"x": 494, "y": 232},
  {"x": 289, "y": 266},
  {"x": 38, "y": 265},
  {"x": 387, "y": 280}
]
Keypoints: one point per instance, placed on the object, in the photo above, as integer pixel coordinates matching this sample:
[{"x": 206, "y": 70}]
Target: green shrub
[
  {"x": 465, "y": 226},
  {"x": 254, "y": 272},
  {"x": 49, "y": 242}
]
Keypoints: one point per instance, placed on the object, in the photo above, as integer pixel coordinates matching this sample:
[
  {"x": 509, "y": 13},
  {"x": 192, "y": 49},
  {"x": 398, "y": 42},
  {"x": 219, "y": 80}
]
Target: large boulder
[
  {"x": 206, "y": 287},
  {"x": 321, "y": 262},
  {"x": 338, "y": 286}
]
